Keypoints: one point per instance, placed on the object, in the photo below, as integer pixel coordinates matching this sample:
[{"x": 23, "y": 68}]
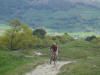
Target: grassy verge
[
  {"x": 86, "y": 55},
  {"x": 18, "y": 63},
  {"x": 90, "y": 66},
  {"x": 75, "y": 50}
]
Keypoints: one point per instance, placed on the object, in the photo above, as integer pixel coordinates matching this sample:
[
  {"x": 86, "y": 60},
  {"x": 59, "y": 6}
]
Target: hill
[{"x": 56, "y": 15}]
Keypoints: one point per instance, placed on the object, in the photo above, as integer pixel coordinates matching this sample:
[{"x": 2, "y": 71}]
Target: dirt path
[{"x": 47, "y": 69}]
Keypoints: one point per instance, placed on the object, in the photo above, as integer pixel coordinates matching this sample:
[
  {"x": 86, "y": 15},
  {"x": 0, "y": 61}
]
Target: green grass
[
  {"x": 76, "y": 50},
  {"x": 89, "y": 66},
  {"x": 17, "y": 63},
  {"x": 85, "y": 54}
]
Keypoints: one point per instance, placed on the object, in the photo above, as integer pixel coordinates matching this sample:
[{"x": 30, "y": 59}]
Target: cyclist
[{"x": 54, "y": 50}]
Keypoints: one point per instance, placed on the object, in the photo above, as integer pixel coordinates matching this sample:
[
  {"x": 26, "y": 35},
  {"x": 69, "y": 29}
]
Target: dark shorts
[{"x": 55, "y": 52}]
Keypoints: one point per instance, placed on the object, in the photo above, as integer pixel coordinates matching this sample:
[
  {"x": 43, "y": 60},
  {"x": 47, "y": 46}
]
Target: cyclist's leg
[
  {"x": 51, "y": 58},
  {"x": 56, "y": 55}
]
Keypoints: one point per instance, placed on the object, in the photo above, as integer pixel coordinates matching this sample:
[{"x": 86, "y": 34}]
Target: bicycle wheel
[
  {"x": 51, "y": 59},
  {"x": 55, "y": 60}
]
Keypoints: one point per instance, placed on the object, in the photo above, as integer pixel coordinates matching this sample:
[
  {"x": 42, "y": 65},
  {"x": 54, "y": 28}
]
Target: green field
[
  {"x": 86, "y": 56},
  {"x": 17, "y": 62},
  {"x": 3, "y": 28},
  {"x": 81, "y": 35},
  {"x": 84, "y": 34},
  {"x": 78, "y": 19}
]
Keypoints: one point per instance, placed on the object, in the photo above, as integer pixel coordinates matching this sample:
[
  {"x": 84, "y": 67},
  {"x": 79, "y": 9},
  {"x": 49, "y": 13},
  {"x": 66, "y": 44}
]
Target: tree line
[{"x": 21, "y": 36}]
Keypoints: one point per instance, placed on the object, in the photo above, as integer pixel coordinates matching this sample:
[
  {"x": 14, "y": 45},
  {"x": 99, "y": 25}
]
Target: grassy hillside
[
  {"x": 86, "y": 56},
  {"x": 77, "y": 50},
  {"x": 82, "y": 35},
  {"x": 90, "y": 66},
  {"x": 57, "y": 15},
  {"x": 17, "y": 62}
]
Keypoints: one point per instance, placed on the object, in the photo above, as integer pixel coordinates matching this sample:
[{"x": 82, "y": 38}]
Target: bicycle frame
[{"x": 53, "y": 58}]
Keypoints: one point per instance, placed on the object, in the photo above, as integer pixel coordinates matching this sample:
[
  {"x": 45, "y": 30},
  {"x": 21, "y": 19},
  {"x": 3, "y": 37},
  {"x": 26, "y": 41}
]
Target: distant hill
[{"x": 56, "y": 15}]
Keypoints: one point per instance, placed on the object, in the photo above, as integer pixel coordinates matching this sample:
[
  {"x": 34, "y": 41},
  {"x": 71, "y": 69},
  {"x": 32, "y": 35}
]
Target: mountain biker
[{"x": 54, "y": 50}]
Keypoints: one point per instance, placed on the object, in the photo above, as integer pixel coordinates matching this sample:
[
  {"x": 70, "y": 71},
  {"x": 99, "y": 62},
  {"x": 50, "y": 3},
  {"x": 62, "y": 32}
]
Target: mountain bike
[{"x": 53, "y": 58}]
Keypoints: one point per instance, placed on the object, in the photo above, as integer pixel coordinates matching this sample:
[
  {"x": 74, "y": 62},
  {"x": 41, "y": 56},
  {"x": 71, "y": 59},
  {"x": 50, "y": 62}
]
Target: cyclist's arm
[{"x": 50, "y": 49}]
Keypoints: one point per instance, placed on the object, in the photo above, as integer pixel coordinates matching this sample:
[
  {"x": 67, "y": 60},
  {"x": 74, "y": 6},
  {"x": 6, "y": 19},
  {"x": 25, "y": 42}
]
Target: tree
[
  {"x": 90, "y": 38},
  {"x": 26, "y": 37},
  {"x": 16, "y": 25},
  {"x": 41, "y": 33},
  {"x": 67, "y": 37}
]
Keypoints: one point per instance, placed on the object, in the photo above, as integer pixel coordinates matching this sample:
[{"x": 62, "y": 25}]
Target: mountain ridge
[{"x": 59, "y": 15}]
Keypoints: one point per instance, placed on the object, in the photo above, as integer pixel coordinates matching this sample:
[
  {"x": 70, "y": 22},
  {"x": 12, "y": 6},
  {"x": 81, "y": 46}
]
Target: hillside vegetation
[
  {"x": 20, "y": 43},
  {"x": 85, "y": 55},
  {"x": 88, "y": 62},
  {"x": 57, "y": 15}
]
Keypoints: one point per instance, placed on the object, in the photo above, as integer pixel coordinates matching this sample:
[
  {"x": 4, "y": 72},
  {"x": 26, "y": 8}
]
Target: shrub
[
  {"x": 96, "y": 40},
  {"x": 90, "y": 38},
  {"x": 41, "y": 33}
]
